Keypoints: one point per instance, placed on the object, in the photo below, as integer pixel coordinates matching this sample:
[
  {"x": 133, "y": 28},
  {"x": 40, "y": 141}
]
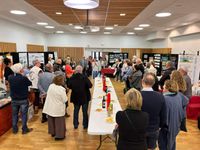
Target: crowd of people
[
  {"x": 48, "y": 88},
  {"x": 156, "y": 109},
  {"x": 155, "y": 112}
]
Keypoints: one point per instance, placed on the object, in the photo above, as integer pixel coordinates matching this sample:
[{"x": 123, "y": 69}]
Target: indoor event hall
[{"x": 99, "y": 75}]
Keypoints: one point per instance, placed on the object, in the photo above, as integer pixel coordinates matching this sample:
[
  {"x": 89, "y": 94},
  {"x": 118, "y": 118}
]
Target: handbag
[{"x": 115, "y": 134}]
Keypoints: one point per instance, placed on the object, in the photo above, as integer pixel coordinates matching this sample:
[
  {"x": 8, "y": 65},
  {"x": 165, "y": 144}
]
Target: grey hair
[{"x": 79, "y": 69}]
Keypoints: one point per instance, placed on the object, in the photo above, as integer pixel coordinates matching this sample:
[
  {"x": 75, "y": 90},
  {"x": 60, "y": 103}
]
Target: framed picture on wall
[
  {"x": 34, "y": 56},
  {"x": 23, "y": 59}
]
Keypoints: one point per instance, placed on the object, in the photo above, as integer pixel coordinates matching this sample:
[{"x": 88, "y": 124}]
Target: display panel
[
  {"x": 34, "y": 56},
  {"x": 23, "y": 59}
]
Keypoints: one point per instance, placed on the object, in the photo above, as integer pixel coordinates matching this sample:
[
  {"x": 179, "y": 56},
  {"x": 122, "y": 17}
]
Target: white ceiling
[{"x": 183, "y": 11}]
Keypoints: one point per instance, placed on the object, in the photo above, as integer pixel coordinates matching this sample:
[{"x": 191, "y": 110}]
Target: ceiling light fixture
[
  {"x": 83, "y": 32},
  {"x": 130, "y": 33},
  {"x": 59, "y": 32},
  {"x": 137, "y": 28},
  {"x": 81, "y": 4},
  {"x": 108, "y": 28},
  {"x": 49, "y": 27},
  {"x": 18, "y": 12},
  {"x": 70, "y": 24},
  {"x": 58, "y": 13},
  {"x": 122, "y": 14},
  {"x": 107, "y": 33},
  {"x": 94, "y": 29},
  {"x": 163, "y": 14},
  {"x": 42, "y": 23},
  {"x": 144, "y": 25},
  {"x": 185, "y": 24},
  {"x": 78, "y": 27},
  {"x": 115, "y": 25}
]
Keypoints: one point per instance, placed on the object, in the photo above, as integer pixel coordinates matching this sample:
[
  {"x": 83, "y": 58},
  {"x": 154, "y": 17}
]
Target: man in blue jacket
[{"x": 19, "y": 94}]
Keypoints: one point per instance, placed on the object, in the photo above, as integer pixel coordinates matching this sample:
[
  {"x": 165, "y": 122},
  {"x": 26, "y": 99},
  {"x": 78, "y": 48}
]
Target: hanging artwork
[
  {"x": 34, "y": 56},
  {"x": 23, "y": 59}
]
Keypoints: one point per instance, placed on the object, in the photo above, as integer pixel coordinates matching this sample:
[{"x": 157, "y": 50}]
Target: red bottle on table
[{"x": 108, "y": 100}]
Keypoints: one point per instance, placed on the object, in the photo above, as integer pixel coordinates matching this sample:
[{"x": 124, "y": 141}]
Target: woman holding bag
[{"x": 132, "y": 120}]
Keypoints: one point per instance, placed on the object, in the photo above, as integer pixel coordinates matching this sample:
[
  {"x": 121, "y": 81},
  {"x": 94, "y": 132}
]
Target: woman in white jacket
[{"x": 54, "y": 107}]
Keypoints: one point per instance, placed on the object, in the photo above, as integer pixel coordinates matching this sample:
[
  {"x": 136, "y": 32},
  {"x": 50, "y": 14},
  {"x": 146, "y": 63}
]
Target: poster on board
[
  {"x": 191, "y": 62},
  {"x": 23, "y": 59},
  {"x": 34, "y": 56}
]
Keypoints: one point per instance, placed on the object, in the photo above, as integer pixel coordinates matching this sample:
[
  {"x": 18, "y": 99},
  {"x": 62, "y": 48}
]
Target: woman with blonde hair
[
  {"x": 178, "y": 78},
  {"x": 132, "y": 120},
  {"x": 175, "y": 115}
]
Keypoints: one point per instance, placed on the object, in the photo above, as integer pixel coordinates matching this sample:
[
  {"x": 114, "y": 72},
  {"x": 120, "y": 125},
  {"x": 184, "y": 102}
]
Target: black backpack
[{"x": 198, "y": 120}]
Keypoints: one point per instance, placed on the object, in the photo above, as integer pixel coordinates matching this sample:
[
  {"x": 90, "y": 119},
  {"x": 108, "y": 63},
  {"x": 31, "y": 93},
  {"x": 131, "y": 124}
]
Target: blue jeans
[
  {"x": 85, "y": 115},
  {"x": 94, "y": 74},
  {"x": 16, "y": 106}
]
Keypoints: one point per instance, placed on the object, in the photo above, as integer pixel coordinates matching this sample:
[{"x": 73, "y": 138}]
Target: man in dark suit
[
  {"x": 80, "y": 96},
  {"x": 154, "y": 105},
  {"x": 167, "y": 73}
]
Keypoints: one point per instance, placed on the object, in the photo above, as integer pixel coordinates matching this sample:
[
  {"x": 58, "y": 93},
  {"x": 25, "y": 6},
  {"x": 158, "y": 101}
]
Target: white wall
[
  {"x": 96, "y": 41},
  {"x": 21, "y": 35},
  {"x": 184, "y": 38},
  {"x": 190, "y": 43}
]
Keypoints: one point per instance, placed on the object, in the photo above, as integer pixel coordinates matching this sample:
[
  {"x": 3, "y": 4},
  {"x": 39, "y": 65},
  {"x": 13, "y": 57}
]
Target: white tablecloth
[{"x": 97, "y": 120}]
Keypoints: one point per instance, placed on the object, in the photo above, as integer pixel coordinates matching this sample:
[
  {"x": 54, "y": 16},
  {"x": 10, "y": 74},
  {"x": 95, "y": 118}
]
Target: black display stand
[
  {"x": 160, "y": 60},
  {"x": 113, "y": 56}
]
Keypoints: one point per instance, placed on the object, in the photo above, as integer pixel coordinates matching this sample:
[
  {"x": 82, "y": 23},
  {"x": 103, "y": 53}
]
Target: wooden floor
[{"x": 78, "y": 139}]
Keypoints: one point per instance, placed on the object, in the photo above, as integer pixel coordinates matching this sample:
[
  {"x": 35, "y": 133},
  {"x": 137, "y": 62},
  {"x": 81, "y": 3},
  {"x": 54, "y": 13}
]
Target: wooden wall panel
[
  {"x": 7, "y": 47},
  {"x": 76, "y": 53},
  {"x": 35, "y": 48},
  {"x": 131, "y": 52},
  {"x": 162, "y": 50}
]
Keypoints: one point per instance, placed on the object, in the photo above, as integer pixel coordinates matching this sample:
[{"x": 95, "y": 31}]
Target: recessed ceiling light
[
  {"x": 137, "y": 28},
  {"x": 70, "y": 24},
  {"x": 107, "y": 33},
  {"x": 185, "y": 24},
  {"x": 78, "y": 27},
  {"x": 122, "y": 14},
  {"x": 168, "y": 29},
  {"x": 18, "y": 12},
  {"x": 144, "y": 25},
  {"x": 49, "y": 27},
  {"x": 94, "y": 28},
  {"x": 115, "y": 25},
  {"x": 83, "y": 32},
  {"x": 130, "y": 33},
  {"x": 42, "y": 23},
  {"x": 163, "y": 14},
  {"x": 58, "y": 13},
  {"x": 59, "y": 31},
  {"x": 108, "y": 28}
]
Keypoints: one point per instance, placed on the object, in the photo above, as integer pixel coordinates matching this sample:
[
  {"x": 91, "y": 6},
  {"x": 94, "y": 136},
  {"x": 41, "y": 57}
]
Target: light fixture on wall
[{"x": 81, "y": 4}]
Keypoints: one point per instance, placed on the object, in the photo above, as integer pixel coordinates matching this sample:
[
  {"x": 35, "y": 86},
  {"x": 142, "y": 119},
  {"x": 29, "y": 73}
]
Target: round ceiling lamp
[{"x": 81, "y": 4}]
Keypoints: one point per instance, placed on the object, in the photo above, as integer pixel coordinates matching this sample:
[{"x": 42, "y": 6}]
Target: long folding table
[{"x": 98, "y": 123}]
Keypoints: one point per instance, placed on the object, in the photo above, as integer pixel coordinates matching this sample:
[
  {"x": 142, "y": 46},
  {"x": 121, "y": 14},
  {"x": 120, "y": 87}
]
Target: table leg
[{"x": 100, "y": 142}]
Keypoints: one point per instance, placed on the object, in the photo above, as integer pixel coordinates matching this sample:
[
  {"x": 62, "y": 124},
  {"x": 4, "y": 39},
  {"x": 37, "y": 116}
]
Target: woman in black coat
[
  {"x": 80, "y": 96},
  {"x": 132, "y": 123}
]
